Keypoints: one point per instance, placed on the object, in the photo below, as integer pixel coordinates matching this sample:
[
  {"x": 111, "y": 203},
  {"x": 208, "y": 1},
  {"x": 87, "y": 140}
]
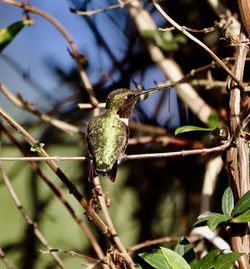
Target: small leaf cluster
[
  {"x": 37, "y": 146},
  {"x": 239, "y": 213},
  {"x": 183, "y": 257}
]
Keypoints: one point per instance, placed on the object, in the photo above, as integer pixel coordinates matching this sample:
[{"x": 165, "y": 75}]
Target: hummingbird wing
[{"x": 107, "y": 138}]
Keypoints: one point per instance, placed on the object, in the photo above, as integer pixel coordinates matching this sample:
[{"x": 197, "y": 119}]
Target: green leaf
[
  {"x": 8, "y": 34},
  {"x": 156, "y": 259},
  {"x": 227, "y": 261},
  {"x": 213, "y": 119},
  {"x": 37, "y": 146},
  {"x": 217, "y": 260},
  {"x": 200, "y": 222},
  {"x": 174, "y": 260},
  {"x": 227, "y": 202},
  {"x": 242, "y": 205},
  {"x": 208, "y": 261},
  {"x": 191, "y": 128},
  {"x": 185, "y": 249},
  {"x": 244, "y": 217},
  {"x": 204, "y": 218},
  {"x": 217, "y": 219},
  {"x": 138, "y": 266}
]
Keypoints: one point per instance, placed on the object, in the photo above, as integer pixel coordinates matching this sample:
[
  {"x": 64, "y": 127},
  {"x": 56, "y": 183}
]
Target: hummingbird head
[{"x": 122, "y": 102}]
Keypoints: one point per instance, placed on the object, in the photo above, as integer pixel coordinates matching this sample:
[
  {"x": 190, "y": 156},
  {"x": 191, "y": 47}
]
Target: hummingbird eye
[{"x": 130, "y": 96}]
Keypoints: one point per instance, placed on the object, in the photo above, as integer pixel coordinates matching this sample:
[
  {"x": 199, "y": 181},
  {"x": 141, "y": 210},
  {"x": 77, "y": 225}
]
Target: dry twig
[
  {"x": 201, "y": 44},
  {"x": 27, "y": 218},
  {"x": 70, "y": 41},
  {"x": 5, "y": 259},
  {"x": 18, "y": 101},
  {"x": 60, "y": 196}
]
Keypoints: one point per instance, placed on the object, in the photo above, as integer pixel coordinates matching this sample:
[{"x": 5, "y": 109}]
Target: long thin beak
[{"x": 144, "y": 94}]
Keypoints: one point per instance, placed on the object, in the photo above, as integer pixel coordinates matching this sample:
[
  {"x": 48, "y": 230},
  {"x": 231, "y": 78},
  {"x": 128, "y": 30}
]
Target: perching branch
[
  {"x": 88, "y": 233},
  {"x": 109, "y": 233},
  {"x": 182, "y": 153}
]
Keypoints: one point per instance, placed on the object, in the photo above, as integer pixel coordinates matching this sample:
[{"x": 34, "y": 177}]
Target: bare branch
[
  {"x": 89, "y": 106},
  {"x": 71, "y": 253},
  {"x": 67, "y": 36},
  {"x": 182, "y": 153},
  {"x": 18, "y": 101},
  {"x": 167, "y": 239},
  {"x": 71, "y": 187},
  {"x": 101, "y": 10},
  {"x": 88, "y": 233},
  {"x": 201, "y": 44},
  {"x": 5, "y": 259},
  {"x": 27, "y": 218}
]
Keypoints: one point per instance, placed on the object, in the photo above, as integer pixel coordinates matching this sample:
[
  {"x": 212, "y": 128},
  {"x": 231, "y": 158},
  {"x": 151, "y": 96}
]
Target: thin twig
[
  {"x": 71, "y": 187},
  {"x": 163, "y": 240},
  {"x": 204, "y": 30},
  {"x": 101, "y": 10},
  {"x": 71, "y": 253},
  {"x": 89, "y": 106},
  {"x": 37, "y": 159},
  {"x": 88, "y": 233},
  {"x": 27, "y": 218},
  {"x": 182, "y": 153},
  {"x": 18, "y": 101},
  {"x": 67, "y": 36},
  {"x": 117, "y": 240},
  {"x": 170, "y": 68},
  {"x": 201, "y": 44},
  {"x": 5, "y": 259}
]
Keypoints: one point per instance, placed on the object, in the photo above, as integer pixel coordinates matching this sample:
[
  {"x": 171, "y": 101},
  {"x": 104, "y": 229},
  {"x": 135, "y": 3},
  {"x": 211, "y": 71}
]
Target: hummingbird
[{"x": 107, "y": 133}]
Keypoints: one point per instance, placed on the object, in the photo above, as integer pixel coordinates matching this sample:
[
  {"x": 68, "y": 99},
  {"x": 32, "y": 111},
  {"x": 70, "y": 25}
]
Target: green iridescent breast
[{"x": 107, "y": 140}]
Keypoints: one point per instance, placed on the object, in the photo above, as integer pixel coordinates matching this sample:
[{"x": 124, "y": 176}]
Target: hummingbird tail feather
[
  {"x": 92, "y": 172},
  {"x": 112, "y": 173}
]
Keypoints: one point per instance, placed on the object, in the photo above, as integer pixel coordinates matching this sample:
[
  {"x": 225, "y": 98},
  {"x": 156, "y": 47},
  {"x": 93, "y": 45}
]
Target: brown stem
[
  {"x": 238, "y": 156},
  {"x": 244, "y": 6},
  {"x": 71, "y": 187}
]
